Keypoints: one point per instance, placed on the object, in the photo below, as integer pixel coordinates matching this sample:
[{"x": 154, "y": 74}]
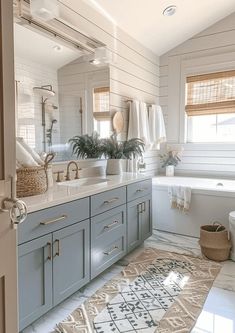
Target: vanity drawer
[
  {"x": 106, "y": 254},
  {"x": 51, "y": 219},
  {"x": 139, "y": 189},
  {"x": 108, "y": 225},
  {"x": 107, "y": 200}
]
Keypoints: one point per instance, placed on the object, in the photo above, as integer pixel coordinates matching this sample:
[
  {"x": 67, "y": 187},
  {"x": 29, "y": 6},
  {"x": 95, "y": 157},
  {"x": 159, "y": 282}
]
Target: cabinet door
[
  {"x": 133, "y": 224},
  {"x": 146, "y": 217},
  {"x": 35, "y": 279},
  {"x": 71, "y": 260}
]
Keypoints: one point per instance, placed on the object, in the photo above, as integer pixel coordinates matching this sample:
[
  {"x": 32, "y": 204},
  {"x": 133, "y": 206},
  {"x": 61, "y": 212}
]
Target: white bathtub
[{"x": 212, "y": 200}]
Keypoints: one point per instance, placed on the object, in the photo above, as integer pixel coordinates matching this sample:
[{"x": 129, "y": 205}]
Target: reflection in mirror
[{"x": 60, "y": 93}]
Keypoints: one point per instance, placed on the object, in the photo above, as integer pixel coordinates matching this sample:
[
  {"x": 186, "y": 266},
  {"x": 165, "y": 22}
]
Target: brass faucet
[{"x": 67, "y": 177}]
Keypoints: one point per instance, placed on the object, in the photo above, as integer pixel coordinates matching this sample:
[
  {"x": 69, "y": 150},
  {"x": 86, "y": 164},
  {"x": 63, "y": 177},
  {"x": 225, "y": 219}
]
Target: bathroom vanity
[{"x": 73, "y": 233}]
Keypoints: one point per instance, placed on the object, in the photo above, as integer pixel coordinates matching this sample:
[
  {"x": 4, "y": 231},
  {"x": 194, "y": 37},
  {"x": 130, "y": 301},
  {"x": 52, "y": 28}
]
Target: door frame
[{"x": 8, "y": 241}]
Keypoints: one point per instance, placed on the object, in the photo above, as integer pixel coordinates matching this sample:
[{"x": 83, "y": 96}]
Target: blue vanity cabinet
[
  {"x": 146, "y": 218},
  {"x": 134, "y": 224},
  {"x": 35, "y": 279},
  {"x": 71, "y": 260},
  {"x": 139, "y": 213},
  {"x": 108, "y": 239}
]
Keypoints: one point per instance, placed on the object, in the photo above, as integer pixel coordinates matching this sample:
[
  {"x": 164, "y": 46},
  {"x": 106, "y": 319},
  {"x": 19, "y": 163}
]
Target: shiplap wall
[
  {"x": 211, "y": 50},
  {"x": 135, "y": 71}
]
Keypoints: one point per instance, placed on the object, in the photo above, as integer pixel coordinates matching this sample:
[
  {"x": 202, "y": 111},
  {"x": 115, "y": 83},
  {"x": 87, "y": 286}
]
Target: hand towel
[
  {"x": 157, "y": 130},
  {"x": 173, "y": 196},
  {"x": 144, "y": 124},
  {"x": 23, "y": 157},
  {"x": 31, "y": 151},
  {"x": 187, "y": 198},
  {"x": 133, "y": 127},
  {"x": 180, "y": 197}
]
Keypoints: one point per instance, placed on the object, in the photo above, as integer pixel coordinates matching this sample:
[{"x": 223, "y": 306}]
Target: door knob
[{"x": 17, "y": 210}]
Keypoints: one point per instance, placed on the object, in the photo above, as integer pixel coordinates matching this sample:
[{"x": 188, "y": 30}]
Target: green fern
[
  {"x": 87, "y": 146},
  {"x": 114, "y": 149}
]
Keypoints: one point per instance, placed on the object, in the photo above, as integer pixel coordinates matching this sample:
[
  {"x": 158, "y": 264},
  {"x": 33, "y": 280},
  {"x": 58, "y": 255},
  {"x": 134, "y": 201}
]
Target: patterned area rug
[{"x": 158, "y": 291}]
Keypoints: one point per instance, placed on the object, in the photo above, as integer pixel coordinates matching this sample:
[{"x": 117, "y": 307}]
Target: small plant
[
  {"x": 170, "y": 158},
  {"x": 87, "y": 146},
  {"x": 114, "y": 149}
]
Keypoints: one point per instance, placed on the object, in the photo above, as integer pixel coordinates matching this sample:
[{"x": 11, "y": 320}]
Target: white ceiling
[
  {"x": 143, "y": 19},
  {"x": 36, "y": 47}
]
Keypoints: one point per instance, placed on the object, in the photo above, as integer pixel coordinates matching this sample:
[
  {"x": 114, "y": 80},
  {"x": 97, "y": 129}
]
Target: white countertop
[{"x": 60, "y": 194}]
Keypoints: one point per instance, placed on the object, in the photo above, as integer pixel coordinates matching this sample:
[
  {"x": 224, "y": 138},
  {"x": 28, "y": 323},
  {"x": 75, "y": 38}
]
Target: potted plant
[
  {"x": 115, "y": 151},
  {"x": 170, "y": 160},
  {"x": 87, "y": 146}
]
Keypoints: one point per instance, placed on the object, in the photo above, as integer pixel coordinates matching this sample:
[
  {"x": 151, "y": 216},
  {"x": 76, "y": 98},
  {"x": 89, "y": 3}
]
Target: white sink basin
[{"x": 84, "y": 182}]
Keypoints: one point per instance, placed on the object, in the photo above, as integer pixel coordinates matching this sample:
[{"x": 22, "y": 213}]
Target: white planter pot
[
  {"x": 170, "y": 170},
  {"x": 114, "y": 167}
]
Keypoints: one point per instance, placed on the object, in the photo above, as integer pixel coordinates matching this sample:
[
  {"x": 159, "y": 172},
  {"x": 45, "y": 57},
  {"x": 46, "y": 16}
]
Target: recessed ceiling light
[
  {"x": 169, "y": 11},
  {"x": 57, "y": 48}
]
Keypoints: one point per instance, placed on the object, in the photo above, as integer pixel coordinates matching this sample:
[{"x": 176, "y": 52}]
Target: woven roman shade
[
  {"x": 101, "y": 104},
  {"x": 212, "y": 93}
]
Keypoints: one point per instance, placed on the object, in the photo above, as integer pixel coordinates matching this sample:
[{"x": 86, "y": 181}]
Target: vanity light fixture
[
  {"x": 45, "y": 10},
  {"x": 170, "y": 10}
]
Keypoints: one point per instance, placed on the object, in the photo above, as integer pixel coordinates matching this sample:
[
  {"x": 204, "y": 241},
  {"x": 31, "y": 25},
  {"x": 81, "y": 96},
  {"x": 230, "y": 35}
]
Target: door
[
  {"x": 146, "y": 217},
  {"x": 8, "y": 261},
  {"x": 35, "y": 279},
  {"x": 134, "y": 223},
  {"x": 71, "y": 263}
]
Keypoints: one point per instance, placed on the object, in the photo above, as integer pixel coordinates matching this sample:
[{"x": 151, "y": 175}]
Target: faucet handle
[{"x": 58, "y": 173}]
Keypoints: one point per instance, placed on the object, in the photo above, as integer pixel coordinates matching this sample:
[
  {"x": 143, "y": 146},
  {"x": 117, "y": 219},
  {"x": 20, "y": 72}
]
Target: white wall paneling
[{"x": 211, "y": 50}]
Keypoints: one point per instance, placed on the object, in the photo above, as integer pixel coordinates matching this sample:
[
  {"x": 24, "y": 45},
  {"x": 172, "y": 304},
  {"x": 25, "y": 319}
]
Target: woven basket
[
  {"x": 33, "y": 180},
  {"x": 215, "y": 242}
]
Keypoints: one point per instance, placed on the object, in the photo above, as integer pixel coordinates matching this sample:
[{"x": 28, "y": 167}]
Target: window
[
  {"x": 101, "y": 103},
  {"x": 210, "y": 107},
  {"x": 101, "y": 111}
]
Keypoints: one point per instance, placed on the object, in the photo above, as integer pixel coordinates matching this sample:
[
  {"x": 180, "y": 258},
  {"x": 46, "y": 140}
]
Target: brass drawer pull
[
  {"x": 143, "y": 207},
  {"x": 139, "y": 208},
  {"x": 63, "y": 217},
  {"x": 49, "y": 257},
  {"x": 110, "y": 225},
  {"x": 58, "y": 248},
  {"x": 142, "y": 189},
  {"x": 106, "y": 202},
  {"x": 111, "y": 251}
]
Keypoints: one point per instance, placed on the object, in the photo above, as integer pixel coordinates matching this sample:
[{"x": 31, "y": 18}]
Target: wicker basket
[
  {"x": 33, "y": 180},
  {"x": 215, "y": 242}
]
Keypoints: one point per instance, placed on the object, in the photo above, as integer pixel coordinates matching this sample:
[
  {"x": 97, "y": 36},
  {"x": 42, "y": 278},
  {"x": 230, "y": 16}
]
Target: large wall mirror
[{"x": 60, "y": 92}]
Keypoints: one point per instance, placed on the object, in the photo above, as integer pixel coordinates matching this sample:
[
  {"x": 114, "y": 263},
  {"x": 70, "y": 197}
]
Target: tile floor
[{"x": 218, "y": 314}]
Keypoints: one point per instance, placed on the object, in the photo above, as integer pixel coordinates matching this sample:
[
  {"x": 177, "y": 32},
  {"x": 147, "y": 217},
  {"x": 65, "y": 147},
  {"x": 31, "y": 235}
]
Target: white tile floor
[{"x": 218, "y": 314}]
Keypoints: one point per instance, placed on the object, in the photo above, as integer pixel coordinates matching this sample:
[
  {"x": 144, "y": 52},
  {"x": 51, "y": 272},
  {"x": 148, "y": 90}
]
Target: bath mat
[{"x": 158, "y": 291}]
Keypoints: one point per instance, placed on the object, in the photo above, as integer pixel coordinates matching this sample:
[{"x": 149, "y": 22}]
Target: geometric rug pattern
[{"x": 158, "y": 291}]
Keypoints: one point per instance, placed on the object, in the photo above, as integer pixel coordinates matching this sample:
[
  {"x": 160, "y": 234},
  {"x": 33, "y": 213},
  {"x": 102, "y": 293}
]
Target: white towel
[
  {"x": 138, "y": 121},
  {"x": 144, "y": 124},
  {"x": 157, "y": 130},
  {"x": 180, "y": 197},
  {"x": 23, "y": 157},
  {"x": 31, "y": 151},
  {"x": 133, "y": 128}
]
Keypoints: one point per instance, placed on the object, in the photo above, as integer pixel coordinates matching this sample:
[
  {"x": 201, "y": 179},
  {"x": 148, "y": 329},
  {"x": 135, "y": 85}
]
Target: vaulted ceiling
[{"x": 143, "y": 19}]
